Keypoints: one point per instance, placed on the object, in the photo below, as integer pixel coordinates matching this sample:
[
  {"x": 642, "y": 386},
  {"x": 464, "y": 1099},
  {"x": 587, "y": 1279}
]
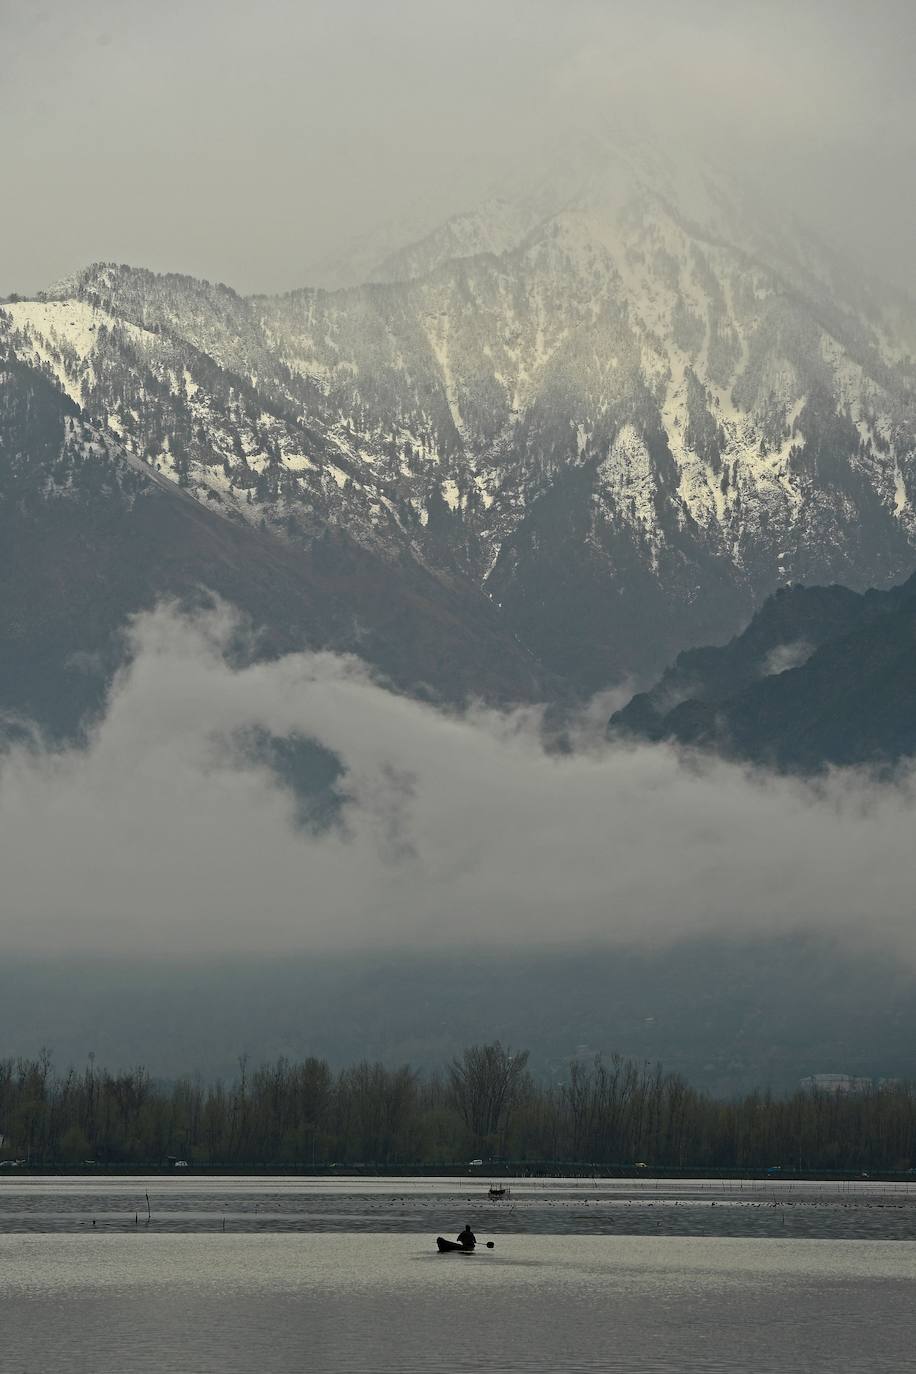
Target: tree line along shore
[{"x": 484, "y": 1107}]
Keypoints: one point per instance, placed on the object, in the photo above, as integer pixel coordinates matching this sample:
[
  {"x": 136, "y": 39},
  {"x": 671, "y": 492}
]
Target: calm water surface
[{"x": 183, "y": 1294}]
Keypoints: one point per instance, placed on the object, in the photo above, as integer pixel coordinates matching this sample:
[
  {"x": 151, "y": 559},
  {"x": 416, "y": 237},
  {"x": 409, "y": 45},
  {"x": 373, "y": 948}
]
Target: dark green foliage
[
  {"x": 821, "y": 676},
  {"x": 687, "y": 329},
  {"x": 703, "y": 433},
  {"x": 305, "y": 767}
]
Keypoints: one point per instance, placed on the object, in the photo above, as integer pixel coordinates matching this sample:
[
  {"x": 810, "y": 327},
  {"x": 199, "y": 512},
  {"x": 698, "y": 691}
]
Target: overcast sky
[{"x": 246, "y": 142}]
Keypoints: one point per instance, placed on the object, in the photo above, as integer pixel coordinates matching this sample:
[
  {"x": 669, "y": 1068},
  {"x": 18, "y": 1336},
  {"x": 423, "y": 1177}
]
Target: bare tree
[{"x": 486, "y": 1083}]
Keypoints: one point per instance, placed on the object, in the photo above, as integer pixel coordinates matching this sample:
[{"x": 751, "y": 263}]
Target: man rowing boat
[{"x": 466, "y": 1244}]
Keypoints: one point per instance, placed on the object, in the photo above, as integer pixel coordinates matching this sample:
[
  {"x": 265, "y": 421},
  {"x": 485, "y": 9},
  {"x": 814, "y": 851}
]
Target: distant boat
[{"x": 497, "y": 1193}]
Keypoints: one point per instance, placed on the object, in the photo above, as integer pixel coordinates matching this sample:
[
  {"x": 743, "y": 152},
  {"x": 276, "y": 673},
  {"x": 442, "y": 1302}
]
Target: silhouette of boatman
[{"x": 467, "y": 1237}]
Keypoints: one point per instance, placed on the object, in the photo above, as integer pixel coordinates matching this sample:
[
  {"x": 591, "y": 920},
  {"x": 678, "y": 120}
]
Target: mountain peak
[{"x": 613, "y": 396}]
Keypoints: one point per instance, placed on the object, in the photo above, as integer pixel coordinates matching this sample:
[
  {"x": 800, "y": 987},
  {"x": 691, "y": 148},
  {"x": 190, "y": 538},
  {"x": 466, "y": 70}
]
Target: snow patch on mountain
[
  {"x": 622, "y": 388},
  {"x": 63, "y": 335}
]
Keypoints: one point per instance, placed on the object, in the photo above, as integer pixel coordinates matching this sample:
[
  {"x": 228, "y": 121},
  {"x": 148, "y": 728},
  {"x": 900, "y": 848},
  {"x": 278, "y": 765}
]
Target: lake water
[{"x": 299, "y": 1275}]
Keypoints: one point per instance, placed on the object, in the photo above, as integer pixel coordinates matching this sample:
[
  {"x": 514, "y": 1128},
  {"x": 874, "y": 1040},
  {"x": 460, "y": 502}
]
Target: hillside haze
[
  {"x": 586, "y": 425},
  {"x": 314, "y": 606},
  {"x": 729, "y": 1015}
]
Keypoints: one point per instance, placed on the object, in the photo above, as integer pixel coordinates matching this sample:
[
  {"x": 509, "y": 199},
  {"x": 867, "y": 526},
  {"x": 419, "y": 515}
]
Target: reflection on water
[
  {"x": 339, "y": 1276},
  {"x": 118, "y": 1304},
  {"x": 778, "y": 1209}
]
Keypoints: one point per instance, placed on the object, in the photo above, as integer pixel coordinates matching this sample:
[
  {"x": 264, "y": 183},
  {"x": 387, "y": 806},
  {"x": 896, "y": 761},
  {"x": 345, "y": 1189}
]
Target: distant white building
[{"x": 835, "y": 1083}]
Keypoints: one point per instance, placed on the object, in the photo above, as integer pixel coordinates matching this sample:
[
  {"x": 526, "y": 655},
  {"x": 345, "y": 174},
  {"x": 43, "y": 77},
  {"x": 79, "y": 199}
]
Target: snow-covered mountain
[{"x": 625, "y": 400}]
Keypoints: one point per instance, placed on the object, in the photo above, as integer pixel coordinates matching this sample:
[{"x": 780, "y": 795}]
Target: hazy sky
[
  {"x": 247, "y": 141},
  {"x": 455, "y": 830}
]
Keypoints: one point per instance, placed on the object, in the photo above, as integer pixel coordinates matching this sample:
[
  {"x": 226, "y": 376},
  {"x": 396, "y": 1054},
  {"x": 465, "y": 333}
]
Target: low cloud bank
[{"x": 165, "y": 836}]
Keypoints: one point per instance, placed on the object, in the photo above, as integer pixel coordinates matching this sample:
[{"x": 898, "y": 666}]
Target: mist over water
[{"x": 434, "y": 829}]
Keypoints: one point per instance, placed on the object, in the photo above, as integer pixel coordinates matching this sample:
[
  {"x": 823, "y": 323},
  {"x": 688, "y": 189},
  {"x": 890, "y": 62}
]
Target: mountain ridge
[
  {"x": 821, "y": 677},
  {"x": 90, "y": 535},
  {"x": 654, "y": 406}
]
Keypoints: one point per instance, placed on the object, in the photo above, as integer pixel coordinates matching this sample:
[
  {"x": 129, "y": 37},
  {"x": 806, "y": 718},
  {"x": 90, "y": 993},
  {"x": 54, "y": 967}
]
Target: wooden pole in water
[{"x": 149, "y": 1210}]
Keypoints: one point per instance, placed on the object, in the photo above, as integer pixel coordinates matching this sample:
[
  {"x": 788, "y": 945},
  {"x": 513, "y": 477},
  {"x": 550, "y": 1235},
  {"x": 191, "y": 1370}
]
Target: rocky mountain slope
[
  {"x": 822, "y": 675},
  {"x": 621, "y": 405},
  {"x": 89, "y": 534}
]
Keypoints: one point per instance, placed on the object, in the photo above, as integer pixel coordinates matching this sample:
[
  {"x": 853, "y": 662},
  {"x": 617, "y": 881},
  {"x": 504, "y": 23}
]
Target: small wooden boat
[{"x": 446, "y": 1245}]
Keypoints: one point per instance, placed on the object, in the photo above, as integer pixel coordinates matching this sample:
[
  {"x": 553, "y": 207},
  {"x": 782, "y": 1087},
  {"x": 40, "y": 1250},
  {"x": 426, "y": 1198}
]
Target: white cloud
[{"x": 457, "y": 831}]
